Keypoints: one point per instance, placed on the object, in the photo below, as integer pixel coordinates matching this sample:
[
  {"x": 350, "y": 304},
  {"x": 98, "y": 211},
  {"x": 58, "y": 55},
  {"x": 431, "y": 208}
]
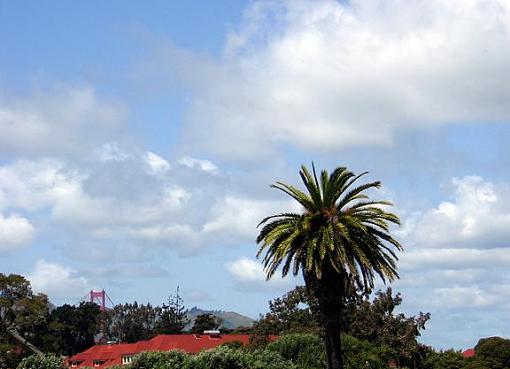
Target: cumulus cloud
[
  {"x": 249, "y": 274},
  {"x": 478, "y": 216},
  {"x": 64, "y": 120},
  {"x": 205, "y": 165},
  {"x": 32, "y": 185},
  {"x": 457, "y": 256},
  {"x": 156, "y": 163},
  {"x": 57, "y": 281},
  {"x": 324, "y": 75},
  {"x": 15, "y": 232},
  {"x": 135, "y": 202},
  {"x": 240, "y": 215}
]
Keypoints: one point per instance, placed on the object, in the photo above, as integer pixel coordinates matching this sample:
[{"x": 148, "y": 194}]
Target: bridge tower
[{"x": 98, "y": 297}]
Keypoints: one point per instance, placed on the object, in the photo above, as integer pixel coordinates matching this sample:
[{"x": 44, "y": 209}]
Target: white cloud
[
  {"x": 111, "y": 151},
  {"x": 32, "y": 185},
  {"x": 156, "y": 163},
  {"x": 249, "y": 273},
  {"x": 57, "y": 281},
  {"x": 323, "y": 75},
  {"x": 478, "y": 216},
  {"x": 455, "y": 258},
  {"x": 117, "y": 201},
  {"x": 15, "y": 232},
  {"x": 64, "y": 120},
  {"x": 240, "y": 215},
  {"x": 205, "y": 165}
]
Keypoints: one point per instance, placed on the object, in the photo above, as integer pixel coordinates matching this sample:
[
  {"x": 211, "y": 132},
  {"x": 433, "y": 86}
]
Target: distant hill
[{"x": 231, "y": 319}]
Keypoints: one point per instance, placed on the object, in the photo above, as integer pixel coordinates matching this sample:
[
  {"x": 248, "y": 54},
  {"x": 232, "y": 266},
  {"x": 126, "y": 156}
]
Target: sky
[{"x": 138, "y": 141}]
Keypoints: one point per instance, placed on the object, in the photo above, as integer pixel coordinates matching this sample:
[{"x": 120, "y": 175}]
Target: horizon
[{"x": 138, "y": 143}]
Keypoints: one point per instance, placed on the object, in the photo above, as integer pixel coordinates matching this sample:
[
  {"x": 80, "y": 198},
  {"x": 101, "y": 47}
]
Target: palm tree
[{"x": 339, "y": 242}]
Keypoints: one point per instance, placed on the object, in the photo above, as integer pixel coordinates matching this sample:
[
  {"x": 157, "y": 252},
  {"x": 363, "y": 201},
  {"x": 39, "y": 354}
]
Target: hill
[{"x": 231, "y": 319}]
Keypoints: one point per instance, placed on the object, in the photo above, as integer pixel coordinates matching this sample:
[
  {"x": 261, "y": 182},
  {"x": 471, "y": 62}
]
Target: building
[{"x": 103, "y": 356}]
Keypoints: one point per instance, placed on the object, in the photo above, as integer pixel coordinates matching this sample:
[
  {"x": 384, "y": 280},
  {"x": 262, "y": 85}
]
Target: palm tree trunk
[
  {"x": 333, "y": 342},
  {"x": 329, "y": 293}
]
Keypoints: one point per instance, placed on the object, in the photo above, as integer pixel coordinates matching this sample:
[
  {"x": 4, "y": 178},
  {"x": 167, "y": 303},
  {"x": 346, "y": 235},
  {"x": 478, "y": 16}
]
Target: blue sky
[{"x": 138, "y": 142}]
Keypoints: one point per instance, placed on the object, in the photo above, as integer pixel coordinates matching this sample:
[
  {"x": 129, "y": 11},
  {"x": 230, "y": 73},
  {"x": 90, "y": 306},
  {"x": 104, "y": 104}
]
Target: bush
[
  {"x": 233, "y": 344},
  {"x": 494, "y": 352},
  {"x": 305, "y": 350},
  {"x": 160, "y": 360},
  {"x": 42, "y": 362},
  {"x": 360, "y": 354},
  {"x": 228, "y": 358},
  {"x": 449, "y": 359}
]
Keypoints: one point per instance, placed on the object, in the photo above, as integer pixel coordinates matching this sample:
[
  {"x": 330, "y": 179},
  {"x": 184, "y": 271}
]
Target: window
[
  {"x": 98, "y": 362},
  {"x": 127, "y": 359}
]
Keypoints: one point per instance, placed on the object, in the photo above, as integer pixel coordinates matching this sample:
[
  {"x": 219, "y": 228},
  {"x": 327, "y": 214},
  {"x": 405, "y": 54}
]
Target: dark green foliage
[
  {"x": 22, "y": 310},
  {"x": 71, "y": 329},
  {"x": 305, "y": 350},
  {"x": 288, "y": 314},
  {"x": 160, "y": 360},
  {"x": 449, "y": 359},
  {"x": 359, "y": 354},
  {"x": 205, "y": 322},
  {"x": 42, "y": 362},
  {"x": 376, "y": 321},
  {"x": 233, "y": 344},
  {"x": 132, "y": 322},
  {"x": 135, "y": 322},
  {"x": 492, "y": 353},
  {"x": 228, "y": 358},
  {"x": 341, "y": 239},
  {"x": 173, "y": 316}
]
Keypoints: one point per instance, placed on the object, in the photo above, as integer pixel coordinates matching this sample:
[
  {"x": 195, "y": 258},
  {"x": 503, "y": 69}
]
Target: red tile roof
[
  {"x": 469, "y": 353},
  {"x": 190, "y": 343}
]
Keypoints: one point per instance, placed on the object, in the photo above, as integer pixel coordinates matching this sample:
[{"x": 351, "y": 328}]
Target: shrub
[
  {"x": 360, "y": 354},
  {"x": 233, "y": 344},
  {"x": 305, "y": 350},
  {"x": 219, "y": 358},
  {"x": 159, "y": 360},
  {"x": 449, "y": 359},
  {"x": 230, "y": 358},
  {"x": 49, "y": 361},
  {"x": 268, "y": 360}
]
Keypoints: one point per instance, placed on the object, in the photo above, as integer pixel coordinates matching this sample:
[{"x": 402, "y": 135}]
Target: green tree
[
  {"x": 132, "y": 322},
  {"x": 340, "y": 239},
  {"x": 21, "y": 311},
  {"x": 448, "y": 359},
  {"x": 42, "y": 362},
  {"x": 376, "y": 321},
  {"x": 491, "y": 352},
  {"x": 71, "y": 329},
  {"x": 289, "y": 314},
  {"x": 173, "y": 316},
  {"x": 205, "y": 322}
]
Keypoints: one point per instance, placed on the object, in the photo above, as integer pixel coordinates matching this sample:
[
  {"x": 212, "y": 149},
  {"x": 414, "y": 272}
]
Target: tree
[
  {"x": 204, "y": 322},
  {"x": 376, "y": 321},
  {"x": 71, "y": 329},
  {"x": 448, "y": 359},
  {"x": 341, "y": 239},
  {"x": 491, "y": 352},
  {"x": 47, "y": 361},
  {"x": 173, "y": 316},
  {"x": 289, "y": 314},
  {"x": 21, "y": 312},
  {"x": 132, "y": 322}
]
